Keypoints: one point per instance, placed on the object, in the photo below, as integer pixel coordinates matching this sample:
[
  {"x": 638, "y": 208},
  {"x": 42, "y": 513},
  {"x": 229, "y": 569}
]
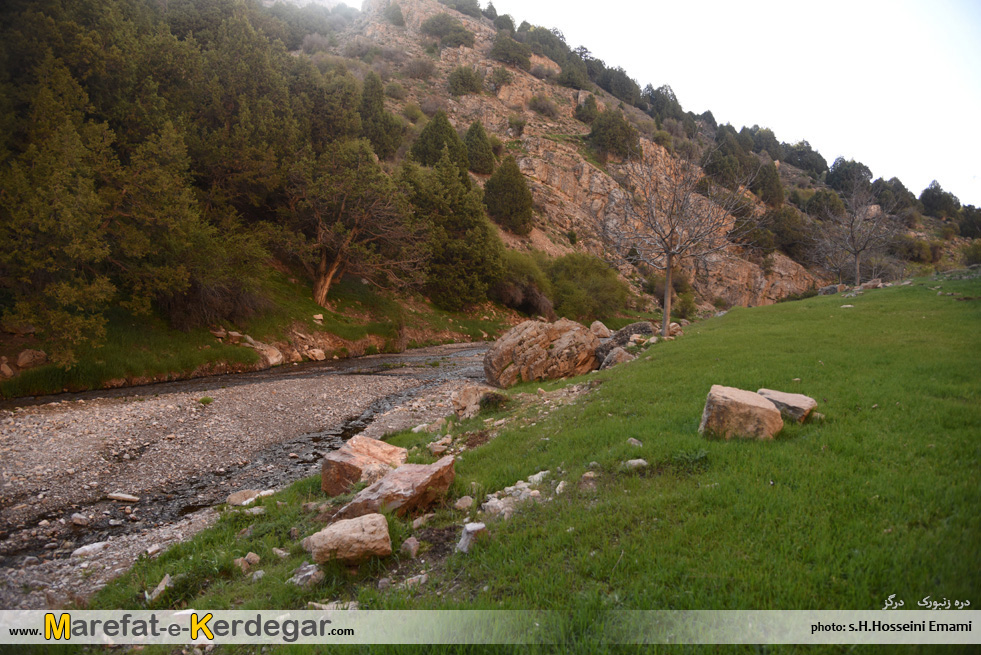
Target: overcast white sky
[{"x": 894, "y": 84}]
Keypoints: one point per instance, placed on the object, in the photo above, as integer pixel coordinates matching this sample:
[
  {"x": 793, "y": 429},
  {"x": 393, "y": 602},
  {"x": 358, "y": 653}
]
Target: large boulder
[
  {"x": 536, "y": 350},
  {"x": 351, "y": 541},
  {"x": 31, "y": 358},
  {"x": 792, "y": 406},
  {"x": 731, "y": 412},
  {"x": 617, "y": 356},
  {"x": 622, "y": 336},
  {"x": 360, "y": 459},
  {"x": 407, "y": 488},
  {"x": 600, "y": 330}
]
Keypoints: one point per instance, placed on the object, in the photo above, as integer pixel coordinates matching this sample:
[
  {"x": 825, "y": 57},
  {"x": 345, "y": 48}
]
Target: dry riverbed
[{"x": 180, "y": 454}]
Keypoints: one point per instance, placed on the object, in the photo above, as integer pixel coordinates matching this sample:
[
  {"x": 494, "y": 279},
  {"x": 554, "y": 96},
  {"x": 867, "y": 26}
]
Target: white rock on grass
[
  {"x": 471, "y": 532},
  {"x": 792, "y": 406}
]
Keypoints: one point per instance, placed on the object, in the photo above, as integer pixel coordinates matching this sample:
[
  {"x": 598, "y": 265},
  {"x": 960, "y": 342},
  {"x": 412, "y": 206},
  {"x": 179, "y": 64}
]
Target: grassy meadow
[{"x": 879, "y": 498}]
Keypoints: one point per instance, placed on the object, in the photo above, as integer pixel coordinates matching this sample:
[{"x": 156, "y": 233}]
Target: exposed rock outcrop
[
  {"x": 535, "y": 350},
  {"x": 792, "y": 406},
  {"x": 351, "y": 541},
  {"x": 621, "y": 337}
]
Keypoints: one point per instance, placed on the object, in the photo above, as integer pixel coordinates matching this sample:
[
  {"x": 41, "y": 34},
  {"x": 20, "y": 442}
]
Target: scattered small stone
[
  {"x": 560, "y": 488},
  {"x": 280, "y": 553},
  {"x": 384, "y": 584},
  {"x": 258, "y": 575},
  {"x": 252, "y": 558},
  {"x": 635, "y": 442},
  {"x": 538, "y": 478},
  {"x": 410, "y": 547},
  {"x": 421, "y": 521},
  {"x": 124, "y": 498},
  {"x": 80, "y": 519},
  {"x": 255, "y": 511},
  {"x": 847, "y": 306},
  {"x": 243, "y": 497},
  {"x": 335, "y": 606},
  {"x": 87, "y": 551},
  {"x": 419, "y": 428},
  {"x": 306, "y": 575},
  {"x": 30, "y": 561},
  {"x": 635, "y": 464},
  {"x": 154, "y": 550},
  {"x": 463, "y": 504},
  {"x": 415, "y": 581},
  {"x": 471, "y": 531}
]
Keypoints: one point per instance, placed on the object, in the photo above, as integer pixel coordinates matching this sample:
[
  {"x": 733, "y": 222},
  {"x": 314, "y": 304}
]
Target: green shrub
[
  {"x": 543, "y": 106},
  {"x": 419, "y": 68},
  {"x": 500, "y": 77},
  {"x": 685, "y": 307},
  {"x": 612, "y": 134},
  {"x": 467, "y": 7},
  {"x": 915, "y": 250},
  {"x": 479, "y": 150},
  {"x": 464, "y": 80},
  {"x": 395, "y": 91},
  {"x": 792, "y": 233},
  {"x": 509, "y": 51},
  {"x": 523, "y": 286},
  {"x": 504, "y": 22},
  {"x": 393, "y": 14},
  {"x": 449, "y": 30},
  {"x": 571, "y": 235},
  {"x": 508, "y": 199},
  {"x": 588, "y": 110},
  {"x": 972, "y": 253},
  {"x": 517, "y": 124},
  {"x": 585, "y": 287},
  {"x": 541, "y": 72},
  {"x": 654, "y": 285}
]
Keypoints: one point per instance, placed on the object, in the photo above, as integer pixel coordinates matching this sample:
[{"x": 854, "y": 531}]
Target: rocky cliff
[{"x": 571, "y": 193}]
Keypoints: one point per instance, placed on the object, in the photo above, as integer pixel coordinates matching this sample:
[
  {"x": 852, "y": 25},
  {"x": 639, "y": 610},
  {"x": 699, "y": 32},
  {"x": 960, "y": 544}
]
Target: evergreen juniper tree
[
  {"x": 381, "y": 127},
  {"x": 508, "y": 199},
  {"x": 437, "y": 135},
  {"x": 479, "y": 151}
]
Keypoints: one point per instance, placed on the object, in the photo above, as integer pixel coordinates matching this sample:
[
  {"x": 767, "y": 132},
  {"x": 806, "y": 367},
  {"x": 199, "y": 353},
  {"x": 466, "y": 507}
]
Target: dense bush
[
  {"x": 792, "y": 233},
  {"x": 420, "y": 68},
  {"x": 654, "y": 285},
  {"x": 517, "y": 124},
  {"x": 916, "y": 250},
  {"x": 508, "y": 199},
  {"x": 505, "y": 23},
  {"x": 464, "y": 80},
  {"x": 766, "y": 185},
  {"x": 509, "y": 51},
  {"x": 523, "y": 286},
  {"x": 588, "y": 110},
  {"x": 972, "y": 253},
  {"x": 395, "y": 91},
  {"x": 500, "y": 77},
  {"x": 479, "y": 151},
  {"x": 612, "y": 134},
  {"x": 449, "y": 30},
  {"x": 824, "y": 203},
  {"x": 939, "y": 203},
  {"x": 466, "y": 7},
  {"x": 543, "y": 106},
  {"x": 970, "y": 222},
  {"x": 585, "y": 288},
  {"x": 393, "y": 14}
]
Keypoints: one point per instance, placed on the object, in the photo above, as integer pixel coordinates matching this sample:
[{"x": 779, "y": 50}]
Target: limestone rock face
[
  {"x": 731, "y": 412},
  {"x": 351, "y": 541},
  {"x": 359, "y": 459},
  {"x": 617, "y": 356},
  {"x": 600, "y": 330},
  {"x": 535, "y": 350},
  {"x": 792, "y": 406},
  {"x": 407, "y": 488},
  {"x": 742, "y": 282},
  {"x": 621, "y": 337}
]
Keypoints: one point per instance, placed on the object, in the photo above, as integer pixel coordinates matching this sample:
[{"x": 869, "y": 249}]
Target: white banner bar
[{"x": 490, "y": 627}]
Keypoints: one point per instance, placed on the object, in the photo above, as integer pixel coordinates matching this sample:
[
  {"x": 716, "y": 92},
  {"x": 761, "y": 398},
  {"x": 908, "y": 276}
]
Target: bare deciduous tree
[
  {"x": 865, "y": 227},
  {"x": 676, "y": 214}
]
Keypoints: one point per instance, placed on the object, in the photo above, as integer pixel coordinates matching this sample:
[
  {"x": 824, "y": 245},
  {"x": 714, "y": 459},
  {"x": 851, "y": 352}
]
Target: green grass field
[{"x": 879, "y": 498}]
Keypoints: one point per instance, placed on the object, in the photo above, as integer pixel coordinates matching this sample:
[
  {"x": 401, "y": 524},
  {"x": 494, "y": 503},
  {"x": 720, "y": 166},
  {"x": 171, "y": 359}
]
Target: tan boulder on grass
[
  {"x": 351, "y": 541},
  {"x": 360, "y": 459},
  {"x": 407, "y": 488},
  {"x": 731, "y": 412}
]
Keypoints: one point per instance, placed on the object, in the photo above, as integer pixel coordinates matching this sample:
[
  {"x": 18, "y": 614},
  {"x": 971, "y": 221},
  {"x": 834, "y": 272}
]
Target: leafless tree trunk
[{"x": 669, "y": 220}]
